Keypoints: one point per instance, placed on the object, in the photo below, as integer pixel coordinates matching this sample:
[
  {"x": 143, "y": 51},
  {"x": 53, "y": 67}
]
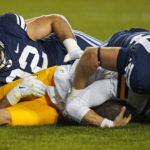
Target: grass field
[
  {"x": 99, "y": 18},
  {"x": 133, "y": 137}
]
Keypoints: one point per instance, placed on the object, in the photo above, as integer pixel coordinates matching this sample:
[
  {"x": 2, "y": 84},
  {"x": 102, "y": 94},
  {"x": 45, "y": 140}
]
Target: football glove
[
  {"x": 74, "y": 51},
  {"x": 29, "y": 86},
  {"x": 72, "y": 55}
]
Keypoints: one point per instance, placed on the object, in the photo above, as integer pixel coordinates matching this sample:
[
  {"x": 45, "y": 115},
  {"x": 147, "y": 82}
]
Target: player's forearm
[
  {"x": 4, "y": 103},
  {"x": 79, "y": 110},
  {"x": 44, "y": 25},
  {"x": 62, "y": 28},
  {"x": 92, "y": 118}
]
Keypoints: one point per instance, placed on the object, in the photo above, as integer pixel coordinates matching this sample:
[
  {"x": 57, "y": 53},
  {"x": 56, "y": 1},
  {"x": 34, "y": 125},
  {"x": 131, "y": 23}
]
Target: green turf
[
  {"x": 133, "y": 137},
  {"x": 99, "y": 18}
]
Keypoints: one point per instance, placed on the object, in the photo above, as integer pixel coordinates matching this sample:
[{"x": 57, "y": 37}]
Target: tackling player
[
  {"x": 126, "y": 52},
  {"x": 28, "y": 46}
]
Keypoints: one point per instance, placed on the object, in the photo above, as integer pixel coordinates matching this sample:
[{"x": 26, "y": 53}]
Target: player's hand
[
  {"x": 32, "y": 87},
  {"x": 29, "y": 86},
  {"x": 72, "y": 55},
  {"x": 120, "y": 120}
]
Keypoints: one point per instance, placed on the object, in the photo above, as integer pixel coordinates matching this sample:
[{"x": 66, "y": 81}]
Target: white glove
[
  {"x": 74, "y": 51},
  {"x": 28, "y": 87},
  {"x": 72, "y": 55}
]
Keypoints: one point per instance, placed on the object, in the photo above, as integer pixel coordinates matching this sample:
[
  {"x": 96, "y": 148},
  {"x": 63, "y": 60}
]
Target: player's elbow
[
  {"x": 61, "y": 17},
  {"x": 57, "y": 18}
]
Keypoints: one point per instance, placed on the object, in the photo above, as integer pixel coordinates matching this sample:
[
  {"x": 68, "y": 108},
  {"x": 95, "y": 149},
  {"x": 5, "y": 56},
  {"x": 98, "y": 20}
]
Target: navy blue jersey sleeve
[{"x": 12, "y": 23}]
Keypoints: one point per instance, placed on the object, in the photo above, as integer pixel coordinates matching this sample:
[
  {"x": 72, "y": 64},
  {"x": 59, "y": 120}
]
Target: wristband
[
  {"x": 107, "y": 123},
  {"x": 14, "y": 95},
  {"x": 70, "y": 44}
]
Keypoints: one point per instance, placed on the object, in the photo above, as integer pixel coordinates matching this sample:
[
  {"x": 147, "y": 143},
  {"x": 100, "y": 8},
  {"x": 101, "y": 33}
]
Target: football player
[
  {"x": 28, "y": 46},
  {"x": 42, "y": 110}
]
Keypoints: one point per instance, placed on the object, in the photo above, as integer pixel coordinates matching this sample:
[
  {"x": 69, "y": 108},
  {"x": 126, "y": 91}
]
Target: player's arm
[
  {"x": 79, "y": 110},
  {"x": 91, "y": 117},
  {"x": 40, "y": 27},
  {"x": 81, "y": 113}
]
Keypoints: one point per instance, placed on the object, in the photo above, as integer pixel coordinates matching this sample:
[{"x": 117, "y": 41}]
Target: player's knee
[
  {"x": 90, "y": 55},
  {"x": 91, "y": 52},
  {"x": 5, "y": 117}
]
